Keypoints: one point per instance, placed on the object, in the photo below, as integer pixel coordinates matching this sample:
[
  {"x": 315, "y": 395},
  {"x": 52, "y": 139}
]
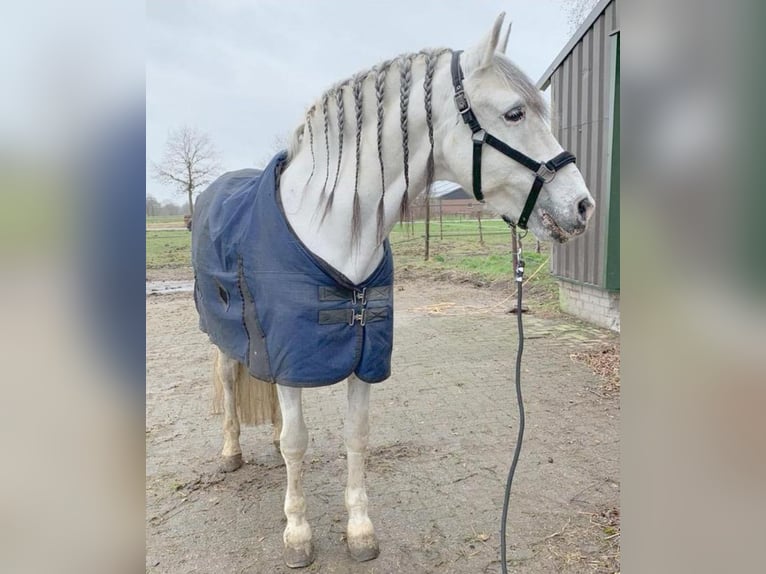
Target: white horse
[{"x": 406, "y": 122}]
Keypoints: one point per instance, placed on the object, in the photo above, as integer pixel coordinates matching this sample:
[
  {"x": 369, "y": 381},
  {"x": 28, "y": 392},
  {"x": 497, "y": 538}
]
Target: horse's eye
[{"x": 514, "y": 116}]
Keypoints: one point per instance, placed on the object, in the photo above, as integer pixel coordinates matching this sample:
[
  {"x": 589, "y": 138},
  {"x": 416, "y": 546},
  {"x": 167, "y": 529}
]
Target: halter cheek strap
[{"x": 544, "y": 171}]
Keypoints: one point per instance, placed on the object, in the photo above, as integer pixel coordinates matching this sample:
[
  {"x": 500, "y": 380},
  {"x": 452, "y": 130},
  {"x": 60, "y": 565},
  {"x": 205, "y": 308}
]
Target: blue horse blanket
[{"x": 264, "y": 299}]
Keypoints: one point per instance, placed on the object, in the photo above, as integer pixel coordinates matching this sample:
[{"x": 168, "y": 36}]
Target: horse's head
[{"x": 510, "y": 108}]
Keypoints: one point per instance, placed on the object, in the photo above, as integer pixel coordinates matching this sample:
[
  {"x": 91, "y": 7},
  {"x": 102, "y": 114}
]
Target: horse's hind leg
[
  {"x": 294, "y": 440},
  {"x": 360, "y": 534},
  {"x": 226, "y": 373}
]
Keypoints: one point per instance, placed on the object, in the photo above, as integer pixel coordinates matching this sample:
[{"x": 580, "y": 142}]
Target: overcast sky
[{"x": 244, "y": 71}]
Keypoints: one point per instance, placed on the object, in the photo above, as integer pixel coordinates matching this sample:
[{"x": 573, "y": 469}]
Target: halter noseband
[{"x": 544, "y": 171}]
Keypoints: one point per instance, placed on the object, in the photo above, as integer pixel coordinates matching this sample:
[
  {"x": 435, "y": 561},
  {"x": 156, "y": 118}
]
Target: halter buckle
[
  {"x": 545, "y": 173},
  {"x": 462, "y": 103}
]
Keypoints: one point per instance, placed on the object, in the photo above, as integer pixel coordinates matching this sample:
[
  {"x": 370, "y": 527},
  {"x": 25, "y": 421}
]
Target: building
[
  {"x": 447, "y": 199},
  {"x": 585, "y": 103}
]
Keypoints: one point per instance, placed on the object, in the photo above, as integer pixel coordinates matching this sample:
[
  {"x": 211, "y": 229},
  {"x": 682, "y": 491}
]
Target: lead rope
[{"x": 519, "y": 275}]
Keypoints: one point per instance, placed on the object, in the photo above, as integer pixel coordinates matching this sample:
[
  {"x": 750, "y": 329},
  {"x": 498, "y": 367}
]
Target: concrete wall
[{"x": 591, "y": 304}]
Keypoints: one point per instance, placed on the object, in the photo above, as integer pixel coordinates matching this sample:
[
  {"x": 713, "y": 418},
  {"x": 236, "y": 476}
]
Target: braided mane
[
  {"x": 378, "y": 74},
  {"x": 335, "y": 95}
]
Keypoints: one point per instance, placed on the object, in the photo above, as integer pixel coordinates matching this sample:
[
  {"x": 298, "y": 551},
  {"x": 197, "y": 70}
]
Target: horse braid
[
  {"x": 359, "y": 114},
  {"x": 428, "y": 90},
  {"x": 405, "y": 83},
  {"x": 311, "y": 142},
  {"x": 380, "y": 86},
  {"x": 325, "y": 114},
  {"x": 341, "y": 128}
]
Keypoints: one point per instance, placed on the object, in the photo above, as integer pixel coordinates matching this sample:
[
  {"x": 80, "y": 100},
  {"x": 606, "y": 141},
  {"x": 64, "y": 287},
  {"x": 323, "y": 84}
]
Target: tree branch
[{"x": 189, "y": 161}]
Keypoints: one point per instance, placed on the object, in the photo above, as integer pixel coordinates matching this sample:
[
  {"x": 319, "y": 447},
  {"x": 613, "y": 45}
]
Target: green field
[
  {"x": 460, "y": 256},
  {"x": 167, "y": 249},
  {"x": 456, "y": 246},
  {"x": 165, "y": 221}
]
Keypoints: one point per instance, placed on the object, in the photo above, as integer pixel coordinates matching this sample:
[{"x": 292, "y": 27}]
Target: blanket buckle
[
  {"x": 361, "y": 316},
  {"x": 360, "y": 297}
]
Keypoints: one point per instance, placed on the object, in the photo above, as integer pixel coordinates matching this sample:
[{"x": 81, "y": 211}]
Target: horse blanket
[{"x": 264, "y": 299}]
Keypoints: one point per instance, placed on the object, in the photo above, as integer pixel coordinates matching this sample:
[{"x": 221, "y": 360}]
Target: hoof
[
  {"x": 364, "y": 550},
  {"x": 230, "y": 463},
  {"x": 299, "y": 557}
]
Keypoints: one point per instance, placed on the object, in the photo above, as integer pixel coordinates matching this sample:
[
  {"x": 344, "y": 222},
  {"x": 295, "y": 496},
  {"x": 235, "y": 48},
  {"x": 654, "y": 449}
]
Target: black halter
[{"x": 544, "y": 172}]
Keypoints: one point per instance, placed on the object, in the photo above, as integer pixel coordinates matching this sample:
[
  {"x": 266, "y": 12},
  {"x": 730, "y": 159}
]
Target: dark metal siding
[{"x": 582, "y": 107}]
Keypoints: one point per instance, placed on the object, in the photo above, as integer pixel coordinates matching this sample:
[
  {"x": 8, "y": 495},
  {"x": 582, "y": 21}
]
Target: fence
[{"x": 450, "y": 219}]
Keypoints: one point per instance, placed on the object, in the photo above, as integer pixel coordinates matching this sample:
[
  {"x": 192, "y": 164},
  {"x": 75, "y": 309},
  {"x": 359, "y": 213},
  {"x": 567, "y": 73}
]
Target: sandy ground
[{"x": 443, "y": 429}]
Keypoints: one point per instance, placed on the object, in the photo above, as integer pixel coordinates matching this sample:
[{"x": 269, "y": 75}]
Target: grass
[
  {"x": 165, "y": 222},
  {"x": 461, "y": 256},
  {"x": 166, "y": 249},
  {"x": 467, "y": 259}
]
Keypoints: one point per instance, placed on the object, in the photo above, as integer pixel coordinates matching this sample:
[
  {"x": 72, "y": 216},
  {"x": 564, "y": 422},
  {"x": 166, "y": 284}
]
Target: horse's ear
[
  {"x": 481, "y": 56},
  {"x": 503, "y": 47},
  {"x": 491, "y": 42}
]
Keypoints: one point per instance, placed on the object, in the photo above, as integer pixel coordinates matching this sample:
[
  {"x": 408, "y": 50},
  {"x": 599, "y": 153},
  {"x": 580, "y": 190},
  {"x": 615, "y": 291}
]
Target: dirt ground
[{"x": 443, "y": 428}]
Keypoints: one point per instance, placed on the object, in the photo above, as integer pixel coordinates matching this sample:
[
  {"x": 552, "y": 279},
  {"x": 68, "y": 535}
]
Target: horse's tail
[{"x": 257, "y": 401}]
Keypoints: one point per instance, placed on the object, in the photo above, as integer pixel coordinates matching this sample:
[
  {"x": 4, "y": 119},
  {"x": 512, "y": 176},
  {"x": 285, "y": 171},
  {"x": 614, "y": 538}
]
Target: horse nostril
[{"x": 585, "y": 208}]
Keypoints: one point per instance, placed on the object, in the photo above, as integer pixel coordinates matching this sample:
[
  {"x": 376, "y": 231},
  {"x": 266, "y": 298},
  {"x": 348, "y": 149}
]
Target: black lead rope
[
  {"x": 519, "y": 272},
  {"x": 544, "y": 173}
]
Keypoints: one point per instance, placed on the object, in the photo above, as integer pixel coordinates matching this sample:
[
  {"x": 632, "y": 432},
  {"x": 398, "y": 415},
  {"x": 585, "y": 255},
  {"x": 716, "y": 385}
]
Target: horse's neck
[{"x": 332, "y": 239}]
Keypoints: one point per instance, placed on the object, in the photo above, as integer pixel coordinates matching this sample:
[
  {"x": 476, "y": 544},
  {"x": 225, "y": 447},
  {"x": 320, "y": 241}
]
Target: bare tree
[{"x": 190, "y": 161}]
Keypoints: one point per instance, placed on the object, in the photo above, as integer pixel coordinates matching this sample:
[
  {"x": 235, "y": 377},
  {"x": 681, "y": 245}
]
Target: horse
[{"x": 366, "y": 149}]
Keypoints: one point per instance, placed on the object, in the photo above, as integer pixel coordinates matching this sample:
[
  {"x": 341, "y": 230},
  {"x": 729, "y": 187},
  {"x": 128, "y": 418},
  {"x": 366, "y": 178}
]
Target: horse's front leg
[
  {"x": 293, "y": 443},
  {"x": 360, "y": 535}
]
